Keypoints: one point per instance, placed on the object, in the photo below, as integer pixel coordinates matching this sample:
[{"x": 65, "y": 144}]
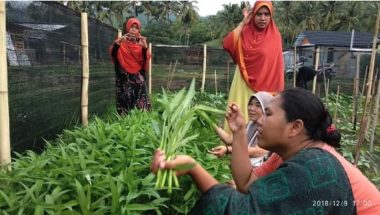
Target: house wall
[{"x": 345, "y": 61}]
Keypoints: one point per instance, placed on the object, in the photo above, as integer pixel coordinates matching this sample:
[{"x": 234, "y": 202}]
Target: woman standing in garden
[
  {"x": 313, "y": 178},
  {"x": 255, "y": 45},
  {"x": 256, "y": 109},
  {"x": 130, "y": 56}
]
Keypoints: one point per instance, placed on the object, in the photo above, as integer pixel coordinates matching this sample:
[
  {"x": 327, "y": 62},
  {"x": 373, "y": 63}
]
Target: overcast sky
[{"x": 210, "y": 7}]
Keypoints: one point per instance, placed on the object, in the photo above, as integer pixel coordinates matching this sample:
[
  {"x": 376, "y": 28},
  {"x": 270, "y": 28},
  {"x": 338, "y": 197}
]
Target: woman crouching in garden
[{"x": 313, "y": 178}]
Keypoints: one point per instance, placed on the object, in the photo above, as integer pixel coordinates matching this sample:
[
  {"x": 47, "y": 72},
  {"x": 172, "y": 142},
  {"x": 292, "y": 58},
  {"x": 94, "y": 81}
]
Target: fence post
[
  {"x": 204, "y": 67},
  {"x": 295, "y": 66},
  {"x": 216, "y": 84},
  {"x": 5, "y": 146},
  {"x": 375, "y": 117},
  {"x": 316, "y": 62},
  {"x": 85, "y": 69},
  {"x": 364, "y": 119},
  {"x": 150, "y": 68}
]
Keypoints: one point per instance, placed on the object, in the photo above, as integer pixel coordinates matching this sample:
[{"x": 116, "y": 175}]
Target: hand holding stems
[
  {"x": 184, "y": 165},
  {"x": 219, "y": 151}
]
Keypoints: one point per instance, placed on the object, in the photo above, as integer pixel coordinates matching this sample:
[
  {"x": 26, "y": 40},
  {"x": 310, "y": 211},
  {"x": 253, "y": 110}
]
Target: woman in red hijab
[
  {"x": 255, "y": 46},
  {"x": 130, "y": 56}
]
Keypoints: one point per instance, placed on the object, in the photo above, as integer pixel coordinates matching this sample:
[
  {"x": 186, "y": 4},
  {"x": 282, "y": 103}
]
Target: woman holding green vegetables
[
  {"x": 256, "y": 109},
  {"x": 313, "y": 178}
]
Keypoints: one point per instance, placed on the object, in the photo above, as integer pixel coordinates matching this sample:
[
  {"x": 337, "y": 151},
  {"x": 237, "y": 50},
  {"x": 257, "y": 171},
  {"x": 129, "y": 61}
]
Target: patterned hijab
[
  {"x": 258, "y": 53},
  {"x": 130, "y": 54}
]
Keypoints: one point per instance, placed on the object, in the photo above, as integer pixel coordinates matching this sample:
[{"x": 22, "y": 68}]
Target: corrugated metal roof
[
  {"x": 44, "y": 27},
  {"x": 335, "y": 39}
]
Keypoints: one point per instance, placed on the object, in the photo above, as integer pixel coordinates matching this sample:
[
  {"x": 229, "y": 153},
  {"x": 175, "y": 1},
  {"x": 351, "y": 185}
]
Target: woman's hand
[
  {"x": 247, "y": 16},
  {"x": 235, "y": 118},
  {"x": 182, "y": 164},
  {"x": 119, "y": 40},
  {"x": 143, "y": 42},
  {"x": 219, "y": 151}
]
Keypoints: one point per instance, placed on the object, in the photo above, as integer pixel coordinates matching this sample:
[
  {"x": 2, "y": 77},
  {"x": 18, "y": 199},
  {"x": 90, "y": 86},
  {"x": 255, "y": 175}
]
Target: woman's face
[
  {"x": 273, "y": 126},
  {"x": 134, "y": 29},
  {"x": 254, "y": 110},
  {"x": 262, "y": 18}
]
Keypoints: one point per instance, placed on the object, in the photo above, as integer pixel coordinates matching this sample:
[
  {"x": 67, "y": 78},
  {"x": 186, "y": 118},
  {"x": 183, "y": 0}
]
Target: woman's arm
[
  {"x": 240, "y": 163},
  {"x": 223, "y": 135},
  {"x": 256, "y": 151}
]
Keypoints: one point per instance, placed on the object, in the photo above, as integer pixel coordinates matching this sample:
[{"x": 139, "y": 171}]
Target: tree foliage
[{"x": 179, "y": 21}]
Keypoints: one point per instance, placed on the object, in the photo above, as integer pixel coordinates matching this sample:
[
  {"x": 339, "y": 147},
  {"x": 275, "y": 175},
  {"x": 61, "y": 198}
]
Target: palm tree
[{"x": 286, "y": 22}]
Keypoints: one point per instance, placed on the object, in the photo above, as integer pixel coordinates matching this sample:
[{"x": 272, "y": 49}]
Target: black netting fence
[
  {"x": 175, "y": 66},
  {"x": 44, "y": 69}
]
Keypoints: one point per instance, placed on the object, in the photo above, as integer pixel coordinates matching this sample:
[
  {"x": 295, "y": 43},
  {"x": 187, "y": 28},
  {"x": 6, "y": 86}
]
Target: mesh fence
[
  {"x": 44, "y": 69},
  {"x": 175, "y": 66},
  {"x": 340, "y": 61}
]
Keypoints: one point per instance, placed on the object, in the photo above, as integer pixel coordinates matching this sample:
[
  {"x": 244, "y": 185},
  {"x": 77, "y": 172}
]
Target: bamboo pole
[
  {"x": 374, "y": 82},
  {"x": 295, "y": 67},
  {"x": 316, "y": 62},
  {"x": 369, "y": 90},
  {"x": 85, "y": 69},
  {"x": 170, "y": 70},
  {"x": 150, "y": 68},
  {"x": 5, "y": 145},
  {"x": 375, "y": 118},
  {"x": 204, "y": 67},
  {"x": 365, "y": 79},
  {"x": 356, "y": 92},
  {"x": 216, "y": 84},
  {"x": 327, "y": 93},
  {"x": 336, "y": 105},
  {"x": 228, "y": 77},
  {"x": 172, "y": 74}
]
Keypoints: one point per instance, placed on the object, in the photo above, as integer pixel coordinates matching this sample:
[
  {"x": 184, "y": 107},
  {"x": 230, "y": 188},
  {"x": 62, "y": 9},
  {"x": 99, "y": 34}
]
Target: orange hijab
[
  {"x": 258, "y": 53},
  {"x": 130, "y": 54}
]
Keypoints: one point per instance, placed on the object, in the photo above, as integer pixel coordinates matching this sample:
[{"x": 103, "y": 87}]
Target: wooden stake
[
  {"x": 374, "y": 82},
  {"x": 327, "y": 93},
  {"x": 85, "y": 69},
  {"x": 336, "y": 105},
  {"x": 169, "y": 73},
  {"x": 316, "y": 62},
  {"x": 365, "y": 79},
  {"x": 363, "y": 123},
  {"x": 204, "y": 67},
  {"x": 172, "y": 74},
  {"x": 216, "y": 84},
  {"x": 150, "y": 68},
  {"x": 295, "y": 67},
  {"x": 375, "y": 118},
  {"x": 228, "y": 77},
  {"x": 5, "y": 145},
  {"x": 356, "y": 93}
]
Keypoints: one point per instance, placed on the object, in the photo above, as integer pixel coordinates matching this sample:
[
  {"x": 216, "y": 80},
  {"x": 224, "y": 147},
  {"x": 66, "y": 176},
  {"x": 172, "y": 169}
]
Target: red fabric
[
  {"x": 130, "y": 54},
  {"x": 258, "y": 53}
]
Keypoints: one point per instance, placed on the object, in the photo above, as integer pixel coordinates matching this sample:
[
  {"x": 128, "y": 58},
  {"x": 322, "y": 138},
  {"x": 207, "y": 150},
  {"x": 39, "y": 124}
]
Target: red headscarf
[
  {"x": 258, "y": 53},
  {"x": 130, "y": 54}
]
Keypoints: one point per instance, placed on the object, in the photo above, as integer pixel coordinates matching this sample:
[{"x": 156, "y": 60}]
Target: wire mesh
[{"x": 44, "y": 69}]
